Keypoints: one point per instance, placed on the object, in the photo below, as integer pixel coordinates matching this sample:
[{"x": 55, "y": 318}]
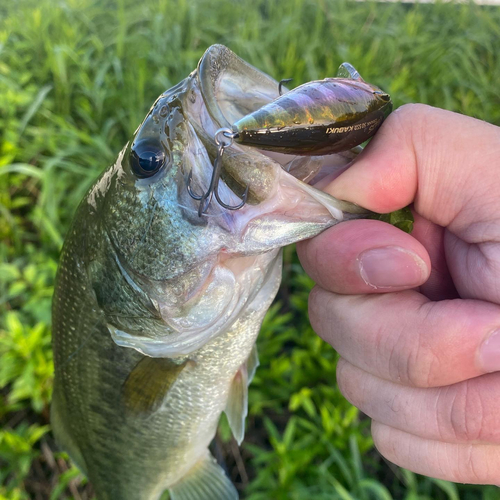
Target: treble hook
[
  {"x": 280, "y": 85},
  {"x": 223, "y": 138}
]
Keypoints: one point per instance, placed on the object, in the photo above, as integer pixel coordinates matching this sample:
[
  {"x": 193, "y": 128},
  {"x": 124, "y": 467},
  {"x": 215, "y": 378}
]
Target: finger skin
[
  {"x": 404, "y": 337},
  {"x": 458, "y": 462},
  {"x": 439, "y": 285},
  {"x": 332, "y": 258},
  {"x": 467, "y": 412}
]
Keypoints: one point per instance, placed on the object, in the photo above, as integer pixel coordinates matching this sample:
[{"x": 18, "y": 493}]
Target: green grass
[{"x": 76, "y": 79}]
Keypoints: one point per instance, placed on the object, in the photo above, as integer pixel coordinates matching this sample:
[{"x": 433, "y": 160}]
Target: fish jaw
[
  {"x": 222, "y": 297},
  {"x": 227, "y": 282}
]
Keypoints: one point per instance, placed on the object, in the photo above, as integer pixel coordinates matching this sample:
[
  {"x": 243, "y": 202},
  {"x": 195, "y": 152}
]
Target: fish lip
[{"x": 216, "y": 62}]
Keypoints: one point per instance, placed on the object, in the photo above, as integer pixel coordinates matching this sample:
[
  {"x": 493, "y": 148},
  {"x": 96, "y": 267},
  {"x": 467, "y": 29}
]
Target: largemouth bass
[{"x": 156, "y": 309}]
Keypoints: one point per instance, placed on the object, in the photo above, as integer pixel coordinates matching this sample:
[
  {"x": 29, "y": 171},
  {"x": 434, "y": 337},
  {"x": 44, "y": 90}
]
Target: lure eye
[
  {"x": 146, "y": 158},
  {"x": 382, "y": 95}
]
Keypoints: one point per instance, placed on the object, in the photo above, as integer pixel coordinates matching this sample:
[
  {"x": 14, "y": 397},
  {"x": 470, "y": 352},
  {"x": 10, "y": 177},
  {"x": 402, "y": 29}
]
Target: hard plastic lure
[{"x": 317, "y": 118}]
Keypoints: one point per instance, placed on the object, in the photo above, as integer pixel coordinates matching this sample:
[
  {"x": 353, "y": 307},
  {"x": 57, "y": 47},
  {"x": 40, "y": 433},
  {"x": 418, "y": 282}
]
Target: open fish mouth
[{"x": 230, "y": 89}]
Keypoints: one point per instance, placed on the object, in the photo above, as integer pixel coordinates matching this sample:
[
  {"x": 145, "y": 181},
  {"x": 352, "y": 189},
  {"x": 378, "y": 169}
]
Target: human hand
[{"x": 423, "y": 361}]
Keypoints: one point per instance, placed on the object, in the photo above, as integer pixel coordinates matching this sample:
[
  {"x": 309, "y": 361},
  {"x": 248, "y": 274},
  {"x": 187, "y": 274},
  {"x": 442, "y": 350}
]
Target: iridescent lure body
[{"x": 320, "y": 117}]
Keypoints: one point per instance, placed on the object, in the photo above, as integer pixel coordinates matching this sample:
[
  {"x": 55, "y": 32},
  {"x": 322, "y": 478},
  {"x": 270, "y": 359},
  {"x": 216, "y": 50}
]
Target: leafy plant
[
  {"x": 26, "y": 362},
  {"x": 17, "y": 452}
]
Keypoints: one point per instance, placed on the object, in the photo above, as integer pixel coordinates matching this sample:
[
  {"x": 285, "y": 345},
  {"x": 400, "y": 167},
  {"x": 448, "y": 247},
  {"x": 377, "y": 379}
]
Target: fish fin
[
  {"x": 205, "y": 481},
  {"x": 148, "y": 383},
  {"x": 252, "y": 363},
  {"x": 237, "y": 403}
]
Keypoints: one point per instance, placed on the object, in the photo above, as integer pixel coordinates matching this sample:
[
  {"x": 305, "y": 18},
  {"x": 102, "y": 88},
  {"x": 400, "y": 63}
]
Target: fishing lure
[{"x": 317, "y": 118}]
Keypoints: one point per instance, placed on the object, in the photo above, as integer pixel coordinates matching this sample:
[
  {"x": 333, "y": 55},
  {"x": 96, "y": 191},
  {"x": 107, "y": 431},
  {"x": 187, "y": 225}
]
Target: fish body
[
  {"x": 318, "y": 117},
  {"x": 156, "y": 310}
]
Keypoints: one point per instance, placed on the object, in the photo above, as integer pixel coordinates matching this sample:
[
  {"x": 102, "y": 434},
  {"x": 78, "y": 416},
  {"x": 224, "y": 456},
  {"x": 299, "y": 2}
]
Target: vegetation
[{"x": 76, "y": 79}]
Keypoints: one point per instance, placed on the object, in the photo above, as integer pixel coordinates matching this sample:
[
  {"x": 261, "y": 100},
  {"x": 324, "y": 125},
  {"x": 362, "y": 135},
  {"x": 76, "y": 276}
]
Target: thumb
[{"x": 445, "y": 163}]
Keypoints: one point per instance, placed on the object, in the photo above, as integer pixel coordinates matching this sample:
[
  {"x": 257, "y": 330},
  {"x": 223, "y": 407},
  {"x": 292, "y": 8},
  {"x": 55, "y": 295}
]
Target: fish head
[{"x": 172, "y": 279}]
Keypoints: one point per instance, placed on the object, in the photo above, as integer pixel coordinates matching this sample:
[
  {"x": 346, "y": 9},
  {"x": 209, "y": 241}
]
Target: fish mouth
[{"x": 230, "y": 89}]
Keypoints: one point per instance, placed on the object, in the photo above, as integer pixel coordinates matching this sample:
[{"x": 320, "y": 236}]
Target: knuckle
[
  {"x": 387, "y": 445},
  {"x": 411, "y": 362},
  {"x": 474, "y": 471},
  {"x": 423, "y": 367},
  {"x": 415, "y": 359},
  {"x": 352, "y": 384},
  {"x": 410, "y": 117},
  {"x": 343, "y": 379},
  {"x": 407, "y": 120},
  {"x": 466, "y": 415},
  {"x": 410, "y": 112},
  {"x": 316, "y": 308},
  {"x": 467, "y": 464},
  {"x": 314, "y": 297},
  {"x": 413, "y": 123}
]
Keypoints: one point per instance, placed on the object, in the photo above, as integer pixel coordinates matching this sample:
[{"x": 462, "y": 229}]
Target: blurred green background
[{"x": 76, "y": 79}]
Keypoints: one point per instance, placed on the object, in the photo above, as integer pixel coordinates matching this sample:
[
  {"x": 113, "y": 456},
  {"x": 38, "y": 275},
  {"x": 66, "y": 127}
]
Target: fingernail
[
  {"x": 390, "y": 267},
  {"x": 489, "y": 353}
]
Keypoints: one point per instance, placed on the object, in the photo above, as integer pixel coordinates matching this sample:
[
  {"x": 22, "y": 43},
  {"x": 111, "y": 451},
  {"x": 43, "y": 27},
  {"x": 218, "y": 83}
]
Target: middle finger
[
  {"x": 404, "y": 337},
  {"x": 465, "y": 412}
]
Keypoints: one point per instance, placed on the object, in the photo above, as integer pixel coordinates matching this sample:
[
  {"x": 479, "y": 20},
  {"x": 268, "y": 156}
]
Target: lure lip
[{"x": 382, "y": 95}]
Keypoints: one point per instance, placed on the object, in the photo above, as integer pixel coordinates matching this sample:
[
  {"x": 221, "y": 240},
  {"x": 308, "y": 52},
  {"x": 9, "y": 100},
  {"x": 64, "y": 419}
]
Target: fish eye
[{"x": 146, "y": 158}]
